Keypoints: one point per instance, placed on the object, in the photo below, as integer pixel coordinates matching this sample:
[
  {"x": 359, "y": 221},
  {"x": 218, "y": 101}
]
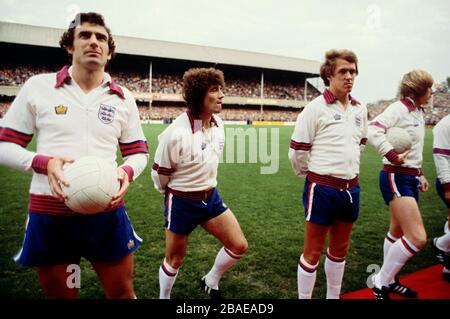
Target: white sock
[
  {"x": 167, "y": 276},
  {"x": 389, "y": 240},
  {"x": 446, "y": 230},
  {"x": 306, "y": 278},
  {"x": 225, "y": 259},
  {"x": 398, "y": 255},
  {"x": 334, "y": 271},
  {"x": 443, "y": 242}
]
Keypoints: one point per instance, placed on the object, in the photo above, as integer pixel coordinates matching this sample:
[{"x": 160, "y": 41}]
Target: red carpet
[{"x": 428, "y": 283}]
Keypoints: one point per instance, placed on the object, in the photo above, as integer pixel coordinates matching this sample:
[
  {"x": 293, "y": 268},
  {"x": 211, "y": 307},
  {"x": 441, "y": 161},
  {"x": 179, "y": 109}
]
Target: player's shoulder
[
  {"x": 178, "y": 128},
  {"x": 181, "y": 120},
  {"x": 120, "y": 88},
  {"x": 313, "y": 108},
  {"x": 41, "y": 79},
  {"x": 126, "y": 92},
  {"x": 317, "y": 101},
  {"x": 396, "y": 107},
  {"x": 443, "y": 124},
  {"x": 359, "y": 103}
]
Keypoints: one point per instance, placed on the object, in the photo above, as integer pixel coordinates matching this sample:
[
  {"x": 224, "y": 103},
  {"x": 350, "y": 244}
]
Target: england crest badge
[{"x": 106, "y": 113}]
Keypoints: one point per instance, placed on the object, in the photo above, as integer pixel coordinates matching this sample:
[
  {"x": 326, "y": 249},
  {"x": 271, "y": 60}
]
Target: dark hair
[
  {"x": 66, "y": 40},
  {"x": 328, "y": 67},
  {"x": 196, "y": 83}
]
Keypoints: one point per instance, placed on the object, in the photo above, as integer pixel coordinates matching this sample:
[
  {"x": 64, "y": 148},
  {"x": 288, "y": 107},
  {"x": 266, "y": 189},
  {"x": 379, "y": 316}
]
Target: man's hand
[
  {"x": 401, "y": 158},
  {"x": 423, "y": 184},
  {"x": 124, "y": 183},
  {"x": 56, "y": 176}
]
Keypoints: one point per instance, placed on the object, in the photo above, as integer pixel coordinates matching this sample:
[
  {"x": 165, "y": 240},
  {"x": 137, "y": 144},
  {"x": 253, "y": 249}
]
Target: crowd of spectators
[
  {"x": 440, "y": 107},
  {"x": 133, "y": 81},
  {"x": 3, "y": 108},
  {"x": 172, "y": 84},
  {"x": 17, "y": 75},
  {"x": 167, "y": 113}
]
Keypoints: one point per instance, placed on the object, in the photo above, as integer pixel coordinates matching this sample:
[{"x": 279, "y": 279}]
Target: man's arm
[
  {"x": 301, "y": 141},
  {"x": 16, "y": 132},
  {"x": 441, "y": 154},
  {"x": 164, "y": 165},
  {"x": 377, "y": 133},
  {"x": 133, "y": 144},
  {"x": 134, "y": 150},
  {"x": 362, "y": 143}
]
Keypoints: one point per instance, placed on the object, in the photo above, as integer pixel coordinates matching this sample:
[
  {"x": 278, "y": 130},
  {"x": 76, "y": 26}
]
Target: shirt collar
[
  {"x": 331, "y": 99},
  {"x": 196, "y": 123},
  {"x": 409, "y": 103},
  {"x": 64, "y": 76}
]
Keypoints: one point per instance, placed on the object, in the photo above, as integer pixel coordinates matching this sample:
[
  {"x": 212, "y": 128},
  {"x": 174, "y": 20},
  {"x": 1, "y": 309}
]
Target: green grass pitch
[{"x": 269, "y": 210}]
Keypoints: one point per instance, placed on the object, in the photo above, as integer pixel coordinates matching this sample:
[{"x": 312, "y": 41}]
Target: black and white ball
[{"x": 92, "y": 184}]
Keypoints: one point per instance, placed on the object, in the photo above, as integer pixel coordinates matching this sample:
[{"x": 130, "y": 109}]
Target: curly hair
[
  {"x": 328, "y": 67},
  {"x": 66, "y": 41},
  {"x": 196, "y": 83},
  {"x": 415, "y": 84}
]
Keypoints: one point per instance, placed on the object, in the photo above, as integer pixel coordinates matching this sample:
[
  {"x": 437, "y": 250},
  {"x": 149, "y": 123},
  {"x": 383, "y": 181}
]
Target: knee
[
  {"x": 239, "y": 248},
  {"x": 312, "y": 257},
  {"x": 174, "y": 261},
  {"x": 419, "y": 239},
  {"x": 338, "y": 249},
  {"x": 339, "y": 252}
]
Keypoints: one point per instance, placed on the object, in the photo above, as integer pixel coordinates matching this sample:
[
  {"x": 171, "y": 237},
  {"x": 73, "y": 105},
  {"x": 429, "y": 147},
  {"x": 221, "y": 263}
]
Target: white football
[
  {"x": 92, "y": 184},
  {"x": 399, "y": 139}
]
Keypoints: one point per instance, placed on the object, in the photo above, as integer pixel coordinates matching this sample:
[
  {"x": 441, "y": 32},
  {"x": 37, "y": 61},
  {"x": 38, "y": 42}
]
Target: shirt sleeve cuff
[
  {"x": 130, "y": 172},
  {"x": 391, "y": 155},
  {"x": 40, "y": 163}
]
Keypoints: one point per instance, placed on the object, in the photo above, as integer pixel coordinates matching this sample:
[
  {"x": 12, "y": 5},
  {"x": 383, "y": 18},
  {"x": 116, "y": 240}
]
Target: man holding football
[
  {"x": 401, "y": 178},
  {"x": 64, "y": 110}
]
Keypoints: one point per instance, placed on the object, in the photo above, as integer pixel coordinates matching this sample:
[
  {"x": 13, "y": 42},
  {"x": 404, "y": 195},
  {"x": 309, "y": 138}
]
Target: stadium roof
[{"x": 49, "y": 37}]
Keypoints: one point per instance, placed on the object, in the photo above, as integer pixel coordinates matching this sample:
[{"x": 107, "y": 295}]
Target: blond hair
[
  {"x": 415, "y": 84},
  {"x": 328, "y": 67}
]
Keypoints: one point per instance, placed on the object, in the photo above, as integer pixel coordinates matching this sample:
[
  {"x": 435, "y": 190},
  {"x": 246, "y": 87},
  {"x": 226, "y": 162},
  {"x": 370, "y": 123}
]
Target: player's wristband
[
  {"x": 129, "y": 170},
  {"x": 40, "y": 163},
  {"x": 391, "y": 156}
]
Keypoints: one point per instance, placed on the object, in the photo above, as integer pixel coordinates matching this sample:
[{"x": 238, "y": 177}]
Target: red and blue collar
[
  {"x": 331, "y": 99},
  {"x": 193, "y": 120},
  {"x": 63, "y": 77}
]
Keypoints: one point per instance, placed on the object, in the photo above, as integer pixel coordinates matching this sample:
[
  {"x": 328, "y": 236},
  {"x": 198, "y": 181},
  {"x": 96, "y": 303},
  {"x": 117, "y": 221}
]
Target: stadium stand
[
  {"x": 260, "y": 88},
  {"x": 440, "y": 106}
]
